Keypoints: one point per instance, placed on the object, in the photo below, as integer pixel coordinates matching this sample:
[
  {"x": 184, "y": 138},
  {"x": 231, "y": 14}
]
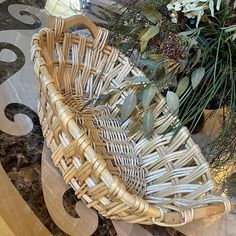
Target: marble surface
[{"x": 21, "y": 140}]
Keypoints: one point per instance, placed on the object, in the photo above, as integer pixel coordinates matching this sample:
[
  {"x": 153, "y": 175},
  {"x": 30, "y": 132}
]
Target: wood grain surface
[{"x": 16, "y": 216}]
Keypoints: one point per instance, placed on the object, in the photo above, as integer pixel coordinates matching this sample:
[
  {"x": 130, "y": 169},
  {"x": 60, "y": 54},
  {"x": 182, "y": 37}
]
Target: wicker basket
[{"x": 138, "y": 180}]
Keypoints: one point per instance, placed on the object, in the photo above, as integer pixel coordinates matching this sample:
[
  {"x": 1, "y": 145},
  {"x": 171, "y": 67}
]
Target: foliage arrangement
[
  {"x": 192, "y": 62},
  {"x": 221, "y": 155},
  {"x": 187, "y": 49}
]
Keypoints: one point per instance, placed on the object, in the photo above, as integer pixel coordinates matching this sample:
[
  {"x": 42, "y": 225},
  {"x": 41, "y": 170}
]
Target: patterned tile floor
[{"x": 21, "y": 140}]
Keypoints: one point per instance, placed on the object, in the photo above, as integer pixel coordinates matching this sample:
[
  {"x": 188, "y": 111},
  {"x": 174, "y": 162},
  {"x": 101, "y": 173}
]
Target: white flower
[
  {"x": 174, "y": 20},
  {"x": 184, "y": 2},
  {"x": 174, "y": 6},
  {"x": 173, "y": 14},
  {"x": 190, "y": 6},
  {"x": 177, "y": 6},
  {"x": 170, "y": 7}
]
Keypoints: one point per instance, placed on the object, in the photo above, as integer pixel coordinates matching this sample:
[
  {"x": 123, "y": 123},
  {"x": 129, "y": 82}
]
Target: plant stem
[{"x": 217, "y": 54}]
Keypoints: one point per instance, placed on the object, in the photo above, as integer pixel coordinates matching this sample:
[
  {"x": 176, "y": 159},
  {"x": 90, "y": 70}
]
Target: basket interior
[{"x": 164, "y": 169}]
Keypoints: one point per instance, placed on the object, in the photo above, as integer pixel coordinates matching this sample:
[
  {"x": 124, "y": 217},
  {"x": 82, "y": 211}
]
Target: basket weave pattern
[{"x": 135, "y": 179}]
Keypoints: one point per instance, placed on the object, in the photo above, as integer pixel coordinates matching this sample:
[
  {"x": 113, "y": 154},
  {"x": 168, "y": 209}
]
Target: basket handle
[
  {"x": 61, "y": 25},
  {"x": 83, "y": 20},
  {"x": 75, "y": 20}
]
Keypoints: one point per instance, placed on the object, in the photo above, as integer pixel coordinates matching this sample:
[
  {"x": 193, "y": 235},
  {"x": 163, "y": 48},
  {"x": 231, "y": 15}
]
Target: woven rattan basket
[{"x": 160, "y": 180}]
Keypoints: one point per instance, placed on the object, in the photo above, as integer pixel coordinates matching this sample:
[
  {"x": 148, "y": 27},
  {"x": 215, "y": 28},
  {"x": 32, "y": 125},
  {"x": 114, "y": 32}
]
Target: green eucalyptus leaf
[
  {"x": 172, "y": 101},
  {"x": 211, "y": 6},
  {"x": 143, "y": 45},
  {"x": 188, "y": 33},
  {"x": 199, "y": 16},
  {"x": 137, "y": 79},
  {"x": 104, "y": 98},
  {"x": 156, "y": 70},
  {"x": 118, "y": 41},
  {"x": 143, "y": 32},
  {"x": 193, "y": 41},
  {"x": 87, "y": 104},
  {"x": 134, "y": 128},
  {"x": 161, "y": 73},
  {"x": 182, "y": 65},
  {"x": 149, "y": 63},
  {"x": 197, "y": 76},
  {"x": 139, "y": 95},
  {"x": 156, "y": 57},
  {"x": 128, "y": 106},
  {"x": 150, "y": 33},
  {"x": 152, "y": 14},
  {"x": 218, "y": 5},
  {"x": 198, "y": 57},
  {"x": 170, "y": 77},
  {"x": 182, "y": 86},
  {"x": 148, "y": 95},
  {"x": 148, "y": 122}
]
